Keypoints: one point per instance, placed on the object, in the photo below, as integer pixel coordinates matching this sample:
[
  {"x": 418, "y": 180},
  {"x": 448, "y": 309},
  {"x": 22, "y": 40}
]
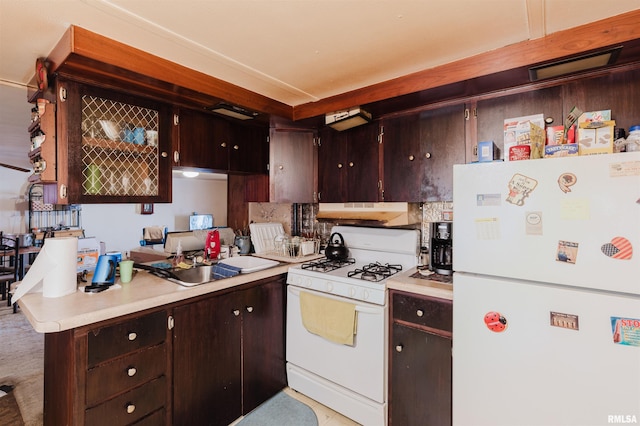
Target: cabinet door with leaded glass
[{"x": 117, "y": 146}]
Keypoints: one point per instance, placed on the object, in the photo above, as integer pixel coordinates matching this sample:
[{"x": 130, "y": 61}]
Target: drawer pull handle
[
  {"x": 249, "y": 309},
  {"x": 399, "y": 348},
  {"x": 236, "y": 312},
  {"x": 131, "y": 408},
  {"x": 132, "y": 336},
  {"x": 131, "y": 371},
  {"x": 420, "y": 312}
]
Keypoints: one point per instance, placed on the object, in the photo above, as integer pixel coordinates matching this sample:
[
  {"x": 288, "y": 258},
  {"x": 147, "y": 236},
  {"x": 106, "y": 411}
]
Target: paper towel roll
[{"x": 54, "y": 271}]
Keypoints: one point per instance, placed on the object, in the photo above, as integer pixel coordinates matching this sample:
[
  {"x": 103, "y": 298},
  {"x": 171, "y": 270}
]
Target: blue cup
[
  {"x": 128, "y": 135},
  {"x": 138, "y": 136}
]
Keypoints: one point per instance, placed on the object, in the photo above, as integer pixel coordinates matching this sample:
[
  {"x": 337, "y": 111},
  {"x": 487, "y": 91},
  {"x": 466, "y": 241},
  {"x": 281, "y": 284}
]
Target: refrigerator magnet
[
  {"x": 566, "y": 180},
  {"x": 533, "y": 223},
  {"x": 618, "y": 248},
  {"x": 520, "y": 186},
  {"x": 626, "y": 331},
  {"x": 567, "y": 252},
  {"x": 495, "y": 322}
]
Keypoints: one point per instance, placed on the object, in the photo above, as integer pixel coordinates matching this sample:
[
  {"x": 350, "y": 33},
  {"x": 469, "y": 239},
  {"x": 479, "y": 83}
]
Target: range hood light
[
  {"x": 190, "y": 174},
  {"x": 233, "y": 111},
  {"x": 343, "y": 120},
  {"x": 574, "y": 65}
]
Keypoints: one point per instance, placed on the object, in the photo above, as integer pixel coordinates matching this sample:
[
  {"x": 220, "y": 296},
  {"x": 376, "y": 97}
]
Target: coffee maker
[{"x": 442, "y": 248}]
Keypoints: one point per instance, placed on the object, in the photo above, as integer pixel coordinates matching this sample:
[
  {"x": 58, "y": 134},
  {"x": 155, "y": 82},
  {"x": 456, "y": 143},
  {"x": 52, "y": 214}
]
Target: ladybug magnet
[{"x": 495, "y": 322}]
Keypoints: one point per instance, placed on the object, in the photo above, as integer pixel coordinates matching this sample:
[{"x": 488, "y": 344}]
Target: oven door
[{"x": 360, "y": 368}]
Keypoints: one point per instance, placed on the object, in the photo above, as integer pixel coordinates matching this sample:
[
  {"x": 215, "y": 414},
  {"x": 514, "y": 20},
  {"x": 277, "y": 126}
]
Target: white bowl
[{"x": 110, "y": 129}]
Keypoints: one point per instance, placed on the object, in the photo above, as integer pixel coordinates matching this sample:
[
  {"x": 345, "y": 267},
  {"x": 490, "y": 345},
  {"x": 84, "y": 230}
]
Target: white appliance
[
  {"x": 349, "y": 379},
  {"x": 546, "y": 322}
]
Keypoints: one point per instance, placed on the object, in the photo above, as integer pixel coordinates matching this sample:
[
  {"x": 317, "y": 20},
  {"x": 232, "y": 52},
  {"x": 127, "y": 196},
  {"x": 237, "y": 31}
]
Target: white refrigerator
[{"x": 546, "y": 319}]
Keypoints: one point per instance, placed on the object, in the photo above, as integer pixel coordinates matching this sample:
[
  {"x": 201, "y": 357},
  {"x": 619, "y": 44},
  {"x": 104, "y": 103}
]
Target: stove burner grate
[
  {"x": 375, "y": 271},
  {"x": 327, "y": 265}
]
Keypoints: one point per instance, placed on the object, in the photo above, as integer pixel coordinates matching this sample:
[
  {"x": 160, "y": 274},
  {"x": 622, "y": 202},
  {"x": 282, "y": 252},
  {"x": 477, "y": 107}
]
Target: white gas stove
[{"x": 350, "y": 379}]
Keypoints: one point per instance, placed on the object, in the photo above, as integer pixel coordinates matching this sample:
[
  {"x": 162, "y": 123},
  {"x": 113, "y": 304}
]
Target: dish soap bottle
[{"x": 178, "y": 258}]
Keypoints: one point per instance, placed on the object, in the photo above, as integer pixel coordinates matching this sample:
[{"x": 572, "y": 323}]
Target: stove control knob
[
  {"x": 308, "y": 282},
  {"x": 365, "y": 294},
  {"x": 329, "y": 286},
  {"x": 352, "y": 292}
]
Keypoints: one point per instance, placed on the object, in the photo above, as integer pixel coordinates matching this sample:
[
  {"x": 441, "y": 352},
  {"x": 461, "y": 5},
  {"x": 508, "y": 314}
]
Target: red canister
[{"x": 212, "y": 246}]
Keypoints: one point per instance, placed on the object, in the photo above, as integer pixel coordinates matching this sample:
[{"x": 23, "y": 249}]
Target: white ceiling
[{"x": 293, "y": 51}]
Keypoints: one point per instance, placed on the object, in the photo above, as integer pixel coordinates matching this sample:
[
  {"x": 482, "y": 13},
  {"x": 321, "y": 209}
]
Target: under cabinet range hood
[
  {"x": 343, "y": 120},
  {"x": 371, "y": 214}
]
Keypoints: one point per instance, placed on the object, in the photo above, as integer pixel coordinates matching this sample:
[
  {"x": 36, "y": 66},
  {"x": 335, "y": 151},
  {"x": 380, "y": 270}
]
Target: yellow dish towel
[{"x": 332, "y": 319}]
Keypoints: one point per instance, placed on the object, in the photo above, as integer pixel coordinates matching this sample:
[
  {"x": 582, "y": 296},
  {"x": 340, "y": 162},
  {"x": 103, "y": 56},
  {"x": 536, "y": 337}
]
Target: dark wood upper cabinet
[
  {"x": 292, "y": 160},
  {"x": 201, "y": 141},
  {"x": 249, "y": 149},
  {"x": 420, "y": 150},
  {"x": 190, "y": 145},
  {"x": 442, "y": 136},
  {"x": 401, "y": 147},
  {"x": 105, "y": 151},
  {"x": 348, "y": 164}
]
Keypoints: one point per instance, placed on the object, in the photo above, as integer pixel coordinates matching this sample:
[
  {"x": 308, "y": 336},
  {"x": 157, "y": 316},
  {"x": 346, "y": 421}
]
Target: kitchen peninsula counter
[
  {"x": 409, "y": 282},
  {"x": 145, "y": 291}
]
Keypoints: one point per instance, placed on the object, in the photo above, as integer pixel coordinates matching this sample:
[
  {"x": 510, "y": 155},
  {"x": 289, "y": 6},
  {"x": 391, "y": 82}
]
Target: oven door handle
[{"x": 359, "y": 308}]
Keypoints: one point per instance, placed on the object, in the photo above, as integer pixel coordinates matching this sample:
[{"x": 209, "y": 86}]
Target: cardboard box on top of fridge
[
  {"x": 596, "y": 137},
  {"x": 559, "y": 146},
  {"x": 595, "y": 116},
  {"x": 522, "y": 131},
  {"x": 488, "y": 151},
  {"x": 561, "y": 150}
]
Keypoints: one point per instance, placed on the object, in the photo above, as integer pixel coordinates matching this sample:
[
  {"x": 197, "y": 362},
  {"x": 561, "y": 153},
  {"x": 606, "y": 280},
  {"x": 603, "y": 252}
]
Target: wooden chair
[{"x": 9, "y": 262}]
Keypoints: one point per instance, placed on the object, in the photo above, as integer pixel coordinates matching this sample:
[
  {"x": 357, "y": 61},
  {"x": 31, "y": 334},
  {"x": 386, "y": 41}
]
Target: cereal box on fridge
[{"x": 521, "y": 131}]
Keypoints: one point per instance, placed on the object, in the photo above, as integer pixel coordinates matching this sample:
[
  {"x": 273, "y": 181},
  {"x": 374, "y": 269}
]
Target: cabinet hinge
[
  {"x": 268, "y": 139},
  {"x": 170, "y": 322},
  {"x": 176, "y": 119},
  {"x": 466, "y": 114},
  {"x": 268, "y": 168},
  {"x": 381, "y": 134},
  {"x": 316, "y": 141},
  {"x": 475, "y": 113},
  {"x": 319, "y": 197}
]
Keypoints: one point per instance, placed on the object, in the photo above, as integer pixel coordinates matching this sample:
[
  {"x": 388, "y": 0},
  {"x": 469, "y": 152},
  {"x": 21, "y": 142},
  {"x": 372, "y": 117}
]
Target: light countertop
[
  {"x": 145, "y": 291},
  {"x": 424, "y": 286}
]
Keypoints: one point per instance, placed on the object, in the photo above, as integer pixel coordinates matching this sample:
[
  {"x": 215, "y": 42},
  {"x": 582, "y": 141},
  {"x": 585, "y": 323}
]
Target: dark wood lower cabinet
[
  {"x": 228, "y": 354},
  {"x": 204, "y": 361},
  {"x": 420, "y": 371}
]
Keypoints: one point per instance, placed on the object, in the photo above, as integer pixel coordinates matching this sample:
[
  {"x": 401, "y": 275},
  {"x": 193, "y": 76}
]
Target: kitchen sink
[
  {"x": 204, "y": 273},
  {"x": 185, "y": 277},
  {"x": 192, "y": 276}
]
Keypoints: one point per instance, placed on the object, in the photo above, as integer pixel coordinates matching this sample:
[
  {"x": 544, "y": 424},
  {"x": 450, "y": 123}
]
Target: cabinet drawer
[
  {"x": 426, "y": 311},
  {"x": 124, "y": 373},
  {"x": 108, "y": 342},
  {"x": 129, "y": 407}
]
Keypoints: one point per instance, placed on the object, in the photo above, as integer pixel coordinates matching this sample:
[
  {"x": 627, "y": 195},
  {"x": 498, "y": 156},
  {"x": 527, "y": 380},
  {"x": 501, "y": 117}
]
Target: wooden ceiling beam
[{"x": 561, "y": 44}]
